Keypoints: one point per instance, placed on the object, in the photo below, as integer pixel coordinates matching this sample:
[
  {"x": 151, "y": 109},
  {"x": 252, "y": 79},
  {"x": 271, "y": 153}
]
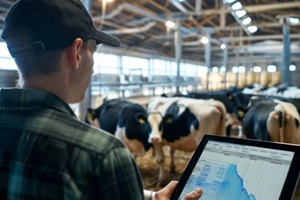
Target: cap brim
[{"x": 107, "y": 39}]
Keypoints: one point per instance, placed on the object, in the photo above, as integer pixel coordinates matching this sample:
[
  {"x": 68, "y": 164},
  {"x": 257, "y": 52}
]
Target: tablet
[{"x": 241, "y": 169}]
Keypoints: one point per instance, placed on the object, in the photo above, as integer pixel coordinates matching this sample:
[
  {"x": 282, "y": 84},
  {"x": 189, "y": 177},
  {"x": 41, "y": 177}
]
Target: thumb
[
  {"x": 194, "y": 195},
  {"x": 171, "y": 186}
]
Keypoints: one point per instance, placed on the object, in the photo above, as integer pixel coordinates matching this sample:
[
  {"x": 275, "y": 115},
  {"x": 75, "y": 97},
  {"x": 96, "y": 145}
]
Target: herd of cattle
[{"x": 181, "y": 121}]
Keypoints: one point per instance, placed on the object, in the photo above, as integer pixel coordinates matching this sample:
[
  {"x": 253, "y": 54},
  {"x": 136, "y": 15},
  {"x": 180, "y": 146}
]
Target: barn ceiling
[{"x": 140, "y": 25}]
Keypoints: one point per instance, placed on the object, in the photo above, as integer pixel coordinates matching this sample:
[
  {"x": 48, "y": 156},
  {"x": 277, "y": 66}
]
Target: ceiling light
[
  {"x": 215, "y": 69},
  {"x": 170, "y": 24},
  {"x": 257, "y": 69},
  {"x": 236, "y": 6},
  {"x": 235, "y": 69},
  {"x": 242, "y": 69},
  {"x": 240, "y": 13},
  {"x": 108, "y": 1},
  {"x": 294, "y": 20},
  {"x": 247, "y": 21},
  {"x": 222, "y": 69},
  {"x": 252, "y": 29},
  {"x": 204, "y": 40},
  {"x": 271, "y": 68},
  {"x": 229, "y": 1},
  {"x": 222, "y": 46},
  {"x": 292, "y": 67}
]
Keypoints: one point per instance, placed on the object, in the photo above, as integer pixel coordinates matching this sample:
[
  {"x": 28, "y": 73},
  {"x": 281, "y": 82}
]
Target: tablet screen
[{"x": 239, "y": 172}]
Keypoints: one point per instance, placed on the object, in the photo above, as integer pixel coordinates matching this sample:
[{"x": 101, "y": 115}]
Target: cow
[
  {"x": 234, "y": 102},
  {"x": 126, "y": 120},
  {"x": 180, "y": 123},
  {"x": 272, "y": 120},
  {"x": 281, "y": 90}
]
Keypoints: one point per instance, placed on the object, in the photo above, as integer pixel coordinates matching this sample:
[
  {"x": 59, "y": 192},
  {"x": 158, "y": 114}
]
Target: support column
[
  {"x": 198, "y": 6},
  {"x": 178, "y": 50},
  {"x": 286, "y": 54},
  {"x": 208, "y": 31},
  {"x": 238, "y": 58},
  {"x": 225, "y": 62}
]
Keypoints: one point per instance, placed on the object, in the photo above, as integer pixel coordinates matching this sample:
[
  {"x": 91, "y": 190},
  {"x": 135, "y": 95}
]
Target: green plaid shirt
[{"x": 47, "y": 153}]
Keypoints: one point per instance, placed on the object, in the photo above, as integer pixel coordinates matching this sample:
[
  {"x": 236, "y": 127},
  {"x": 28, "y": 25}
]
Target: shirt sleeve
[
  {"x": 120, "y": 178},
  {"x": 149, "y": 194}
]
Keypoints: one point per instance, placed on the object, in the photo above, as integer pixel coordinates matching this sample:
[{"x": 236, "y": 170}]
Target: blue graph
[
  {"x": 219, "y": 181},
  {"x": 239, "y": 172},
  {"x": 232, "y": 186}
]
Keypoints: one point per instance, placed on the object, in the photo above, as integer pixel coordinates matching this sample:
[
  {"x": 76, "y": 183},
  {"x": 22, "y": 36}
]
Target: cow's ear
[
  {"x": 90, "y": 114},
  {"x": 241, "y": 113},
  {"x": 229, "y": 96},
  {"x": 141, "y": 118},
  {"x": 168, "y": 118}
]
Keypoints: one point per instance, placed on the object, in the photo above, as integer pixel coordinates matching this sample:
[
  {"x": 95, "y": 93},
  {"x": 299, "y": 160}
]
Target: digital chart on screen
[{"x": 238, "y": 172}]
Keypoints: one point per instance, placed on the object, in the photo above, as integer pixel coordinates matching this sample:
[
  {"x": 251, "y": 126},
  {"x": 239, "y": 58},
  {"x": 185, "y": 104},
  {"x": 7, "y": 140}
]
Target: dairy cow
[
  {"x": 272, "y": 120},
  {"x": 126, "y": 120},
  {"x": 180, "y": 123},
  {"x": 234, "y": 102}
]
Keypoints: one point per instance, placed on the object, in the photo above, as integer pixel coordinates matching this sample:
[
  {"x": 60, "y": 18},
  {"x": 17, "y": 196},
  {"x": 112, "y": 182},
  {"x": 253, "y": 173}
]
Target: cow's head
[
  {"x": 143, "y": 128},
  {"x": 157, "y": 123},
  {"x": 135, "y": 134}
]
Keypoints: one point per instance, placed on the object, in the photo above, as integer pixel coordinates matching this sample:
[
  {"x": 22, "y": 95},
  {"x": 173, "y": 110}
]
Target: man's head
[
  {"x": 37, "y": 26},
  {"x": 52, "y": 42}
]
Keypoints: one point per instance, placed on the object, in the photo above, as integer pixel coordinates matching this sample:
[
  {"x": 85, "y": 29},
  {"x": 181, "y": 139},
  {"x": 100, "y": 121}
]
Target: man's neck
[{"x": 54, "y": 84}]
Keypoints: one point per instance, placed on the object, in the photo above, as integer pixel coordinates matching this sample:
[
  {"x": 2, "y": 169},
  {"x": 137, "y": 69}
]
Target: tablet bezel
[{"x": 291, "y": 181}]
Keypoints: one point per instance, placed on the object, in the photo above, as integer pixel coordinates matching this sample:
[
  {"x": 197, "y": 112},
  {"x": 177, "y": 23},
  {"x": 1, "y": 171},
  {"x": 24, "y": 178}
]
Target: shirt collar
[{"x": 25, "y": 99}]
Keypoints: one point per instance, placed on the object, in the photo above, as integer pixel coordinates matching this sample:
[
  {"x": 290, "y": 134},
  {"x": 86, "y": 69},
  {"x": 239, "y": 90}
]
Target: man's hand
[
  {"x": 166, "y": 193},
  {"x": 196, "y": 194}
]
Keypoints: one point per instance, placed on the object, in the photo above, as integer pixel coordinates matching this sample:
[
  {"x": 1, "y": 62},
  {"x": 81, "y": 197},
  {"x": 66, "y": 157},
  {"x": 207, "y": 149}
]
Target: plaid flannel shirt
[{"x": 47, "y": 153}]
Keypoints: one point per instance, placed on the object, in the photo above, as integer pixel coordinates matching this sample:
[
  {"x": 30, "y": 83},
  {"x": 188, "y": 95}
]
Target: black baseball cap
[{"x": 37, "y": 26}]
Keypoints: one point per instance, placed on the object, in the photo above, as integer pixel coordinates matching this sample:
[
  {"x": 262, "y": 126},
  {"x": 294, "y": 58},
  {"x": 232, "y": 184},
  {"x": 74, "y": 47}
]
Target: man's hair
[
  {"x": 36, "y": 65},
  {"x": 40, "y": 64}
]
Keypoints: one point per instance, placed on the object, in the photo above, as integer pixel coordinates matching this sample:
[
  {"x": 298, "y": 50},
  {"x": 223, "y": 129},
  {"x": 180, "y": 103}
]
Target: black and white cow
[
  {"x": 126, "y": 120},
  {"x": 234, "y": 102},
  {"x": 281, "y": 90},
  {"x": 272, "y": 120},
  {"x": 180, "y": 123}
]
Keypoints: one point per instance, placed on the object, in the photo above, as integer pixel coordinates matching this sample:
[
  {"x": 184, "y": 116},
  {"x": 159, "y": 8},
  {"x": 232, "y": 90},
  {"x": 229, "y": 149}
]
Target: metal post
[
  {"x": 286, "y": 78},
  {"x": 225, "y": 61},
  {"x": 238, "y": 59},
  {"x": 178, "y": 50},
  {"x": 198, "y": 6},
  {"x": 208, "y": 31}
]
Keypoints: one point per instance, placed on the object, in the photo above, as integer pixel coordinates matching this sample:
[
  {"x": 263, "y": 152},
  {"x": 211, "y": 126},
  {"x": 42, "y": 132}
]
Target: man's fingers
[{"x": 194, "y": 195}]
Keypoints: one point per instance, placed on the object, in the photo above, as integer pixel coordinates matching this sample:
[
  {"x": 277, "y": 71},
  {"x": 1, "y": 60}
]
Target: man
[{"x": 45, "y": 151}]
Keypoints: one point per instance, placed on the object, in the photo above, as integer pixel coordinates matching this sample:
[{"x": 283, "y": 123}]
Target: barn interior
[{"x": 182, "y": 46}]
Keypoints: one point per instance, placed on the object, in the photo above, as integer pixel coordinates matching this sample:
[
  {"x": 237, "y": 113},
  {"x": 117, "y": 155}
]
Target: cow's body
[
  {"x": 180, "y": 123},
  {"x": 234, "y": 102},
  {"x": 272, "y": 120},
  {"x": 127, "y": 121},
  {"x": 282, "y": 91}
]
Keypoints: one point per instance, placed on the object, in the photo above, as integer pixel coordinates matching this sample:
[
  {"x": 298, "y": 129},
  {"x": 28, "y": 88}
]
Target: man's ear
[{"x": 74, "y": 53}]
